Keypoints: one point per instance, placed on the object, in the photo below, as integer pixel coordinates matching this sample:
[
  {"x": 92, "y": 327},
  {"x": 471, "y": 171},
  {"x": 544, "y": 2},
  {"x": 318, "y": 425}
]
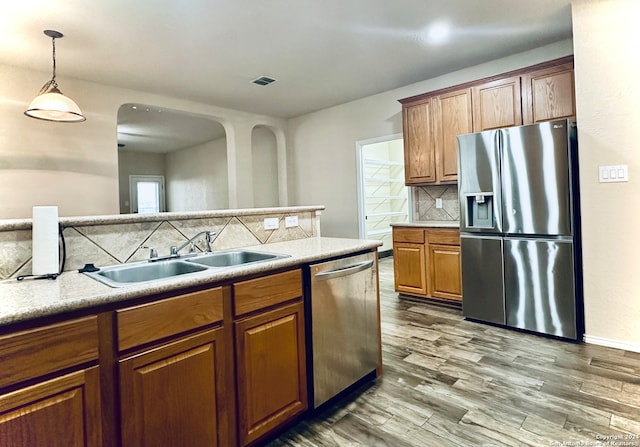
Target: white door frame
[
  {"x": 362, "y": 230},
  {"x": 133, "y": 190}
]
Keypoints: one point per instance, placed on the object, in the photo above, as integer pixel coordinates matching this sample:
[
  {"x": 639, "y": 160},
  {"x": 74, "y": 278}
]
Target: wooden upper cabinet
[
  {"x": 419, "y": 156},
  {"x": 432, "y": 121},
  {"x": 548, "y": 94},
  {"x": 497, "y": 104},
  {"x": 452, "y": 116}
]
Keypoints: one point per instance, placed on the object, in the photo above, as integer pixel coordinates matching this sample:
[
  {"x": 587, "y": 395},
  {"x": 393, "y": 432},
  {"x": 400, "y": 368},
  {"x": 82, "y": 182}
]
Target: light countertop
[
  {"x": 428, "y": 224},
  {"x": 71, "y": 291}
]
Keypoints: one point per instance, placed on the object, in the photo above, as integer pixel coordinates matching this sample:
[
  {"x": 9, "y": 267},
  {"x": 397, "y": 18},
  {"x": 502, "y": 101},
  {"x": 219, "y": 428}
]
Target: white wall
[
  {"x": 607, "y": 47},
  {"x": 196, "y": 177},
  {"x": 322, "y": 157},
  {"x": 75, "y": 166}
]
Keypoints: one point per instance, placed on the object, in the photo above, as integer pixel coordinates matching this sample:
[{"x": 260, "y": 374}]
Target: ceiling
[
  {"x": 322, "y": 53},
  {"x": 144, "y": 128}
]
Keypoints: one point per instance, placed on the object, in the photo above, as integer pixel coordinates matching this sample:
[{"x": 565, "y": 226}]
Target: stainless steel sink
[
  {"x": 234, "y": 258},
  {"x": 127, "y": 274},
  {"x": 143, "y": 272}
]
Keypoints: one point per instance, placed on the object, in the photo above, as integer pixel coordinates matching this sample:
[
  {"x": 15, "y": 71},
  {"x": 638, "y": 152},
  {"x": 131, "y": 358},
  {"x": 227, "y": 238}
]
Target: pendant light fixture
[{"x": 51, "y": 104}]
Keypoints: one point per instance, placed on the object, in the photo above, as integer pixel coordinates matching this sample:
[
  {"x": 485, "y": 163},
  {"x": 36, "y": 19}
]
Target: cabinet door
[
  {"x": 419, "y": 155},
  {"x": 452, "y": 116},
  {"x": 548, "y": 94},
  {"x": 62, "y": 412},
  {"x": 497, "y": 104},
  {"x": 175, "y": 394},
  {"x": 409, "y": 265},
  {"x": 444, "y": 269},
  {"x": 271, "y": 372}
]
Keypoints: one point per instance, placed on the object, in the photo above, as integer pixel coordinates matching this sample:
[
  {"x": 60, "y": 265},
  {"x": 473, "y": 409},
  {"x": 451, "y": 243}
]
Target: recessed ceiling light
[
  {"x": 438, "y": 33},
  {"x": 264, "y": 80}
]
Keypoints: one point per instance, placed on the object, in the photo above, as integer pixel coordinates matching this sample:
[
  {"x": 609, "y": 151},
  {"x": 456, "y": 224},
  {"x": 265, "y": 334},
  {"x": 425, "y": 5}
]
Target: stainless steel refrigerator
[{"x": 520, "y": 228}]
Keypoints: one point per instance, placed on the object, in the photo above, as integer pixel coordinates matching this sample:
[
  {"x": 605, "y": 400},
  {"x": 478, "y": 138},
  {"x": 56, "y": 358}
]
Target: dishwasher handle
[{"x": 344, "y": 271}]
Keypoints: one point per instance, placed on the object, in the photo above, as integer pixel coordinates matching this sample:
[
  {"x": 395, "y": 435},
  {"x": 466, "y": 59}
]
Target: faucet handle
[{"x": 153, "y": 253}]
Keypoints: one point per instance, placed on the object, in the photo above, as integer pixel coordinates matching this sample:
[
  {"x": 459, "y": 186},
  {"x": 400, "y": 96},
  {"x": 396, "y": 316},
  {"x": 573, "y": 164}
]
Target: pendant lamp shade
[{"x": 51, "y": 104}]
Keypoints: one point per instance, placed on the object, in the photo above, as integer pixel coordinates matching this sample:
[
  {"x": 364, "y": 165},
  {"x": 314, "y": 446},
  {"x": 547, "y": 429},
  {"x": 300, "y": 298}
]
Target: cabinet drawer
[
  {"x": 36, "y": 352},
  {"x": 260, "y": 293},
  {"x": 444, "y": 237},
  {"x": 412, "y": 235},
  {"x": 150, "y": 322}
]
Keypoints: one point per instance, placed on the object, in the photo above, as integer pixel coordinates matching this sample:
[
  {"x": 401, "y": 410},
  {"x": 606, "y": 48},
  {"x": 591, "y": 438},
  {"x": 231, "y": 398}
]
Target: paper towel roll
[{"x": 45, "y": 240}]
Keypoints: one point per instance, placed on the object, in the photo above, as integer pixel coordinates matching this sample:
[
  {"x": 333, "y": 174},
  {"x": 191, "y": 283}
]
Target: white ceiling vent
[{"x": 264, "y": 80}]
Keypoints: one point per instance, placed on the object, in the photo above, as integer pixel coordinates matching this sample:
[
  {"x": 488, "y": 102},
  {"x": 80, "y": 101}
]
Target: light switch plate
[
  {"x": 611, "y": 174},
  {"x": 290, "y": 221},
  {"x": 271, "y": 223}
]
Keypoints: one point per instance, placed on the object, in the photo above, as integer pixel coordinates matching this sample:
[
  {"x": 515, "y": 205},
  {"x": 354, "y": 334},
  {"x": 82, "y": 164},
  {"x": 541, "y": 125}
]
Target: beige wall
[
  {"x": 322, "y": 157},
  {"x": 136, "y": 163},
  {"x": 607, "y": 48},
  {"x": 75, "y": 166},
  {"x": 265, "y": 167},
  {"x": 196, "y": 177}
]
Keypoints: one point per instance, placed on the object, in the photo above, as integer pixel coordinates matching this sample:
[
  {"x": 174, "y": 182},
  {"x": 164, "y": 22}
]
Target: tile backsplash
[
  {"x": 114, "y": 241},
  {"x": 424, "y": 203}
]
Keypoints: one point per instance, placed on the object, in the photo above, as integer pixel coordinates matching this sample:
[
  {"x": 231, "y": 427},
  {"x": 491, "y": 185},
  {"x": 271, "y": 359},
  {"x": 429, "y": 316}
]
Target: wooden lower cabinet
[
  {"x": 176, "y": 394},
  {"x": 409, "y": 268},
  {"x": 58, "y": 403},
  {"x": 271, "y": 373},
  {"x": 61, "y": 412},
  {"x": 444, "y": 272},
  {"x": 225, "y": 366},
  {"x": 429, "y": 265}
]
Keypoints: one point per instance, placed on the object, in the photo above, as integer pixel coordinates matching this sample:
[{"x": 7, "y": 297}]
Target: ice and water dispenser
[{"x": 479, "y": 210}]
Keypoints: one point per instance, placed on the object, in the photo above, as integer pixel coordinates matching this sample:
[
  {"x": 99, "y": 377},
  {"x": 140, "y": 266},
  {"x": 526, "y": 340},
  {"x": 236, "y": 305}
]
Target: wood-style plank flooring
[{"x": 451, "y": 382}]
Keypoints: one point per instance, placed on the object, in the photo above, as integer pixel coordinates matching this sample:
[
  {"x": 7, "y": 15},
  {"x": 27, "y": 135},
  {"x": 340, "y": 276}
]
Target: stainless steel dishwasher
[{"x": 344, "y": 323}]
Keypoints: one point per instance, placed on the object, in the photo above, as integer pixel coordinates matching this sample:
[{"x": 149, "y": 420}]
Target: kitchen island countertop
[{"x": 31, "y": 299}]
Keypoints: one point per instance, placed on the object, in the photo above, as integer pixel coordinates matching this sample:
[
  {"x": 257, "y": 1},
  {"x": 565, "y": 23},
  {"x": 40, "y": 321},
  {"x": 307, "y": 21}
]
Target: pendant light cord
[{"x": 52, "y": 83}]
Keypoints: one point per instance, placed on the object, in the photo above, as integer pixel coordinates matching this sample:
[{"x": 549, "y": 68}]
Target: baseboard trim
[{"x": 618, "y": 344}]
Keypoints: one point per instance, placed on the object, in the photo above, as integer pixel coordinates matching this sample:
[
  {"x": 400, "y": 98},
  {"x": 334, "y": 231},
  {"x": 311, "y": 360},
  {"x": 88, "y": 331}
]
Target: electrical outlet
[
  {"x": 290, "y": 221},
  {"x": 438, "y": 203},
  {"x": 271, "y": 223}
]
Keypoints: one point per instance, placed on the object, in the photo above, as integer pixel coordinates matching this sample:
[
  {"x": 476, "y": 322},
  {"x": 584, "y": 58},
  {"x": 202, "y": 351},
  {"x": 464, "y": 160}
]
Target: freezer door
[
  {"x": 540, "y": 286},
  {"x": 536, "y": 173},
  {"x": 479, "y": 182},
  {"x": 482, "y": 278}
]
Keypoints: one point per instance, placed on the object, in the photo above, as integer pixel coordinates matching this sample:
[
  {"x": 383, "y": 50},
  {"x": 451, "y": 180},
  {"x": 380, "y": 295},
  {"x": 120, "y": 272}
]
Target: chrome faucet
[{"x": 208, "y": 238}]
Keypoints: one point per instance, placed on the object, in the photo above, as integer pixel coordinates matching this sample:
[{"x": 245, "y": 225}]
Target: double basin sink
[{"x": 144, "y": 272}]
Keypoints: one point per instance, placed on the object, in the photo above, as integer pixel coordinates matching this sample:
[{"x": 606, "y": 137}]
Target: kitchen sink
[
  {"x": 127, "y": 274},
  {"x": 234, "y": 258},
  {"x": 143, "y": 272}
]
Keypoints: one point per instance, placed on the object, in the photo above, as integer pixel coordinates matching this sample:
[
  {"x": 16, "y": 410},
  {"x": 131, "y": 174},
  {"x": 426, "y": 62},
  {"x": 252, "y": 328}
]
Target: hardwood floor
[{"x": 451, "y": 382}]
